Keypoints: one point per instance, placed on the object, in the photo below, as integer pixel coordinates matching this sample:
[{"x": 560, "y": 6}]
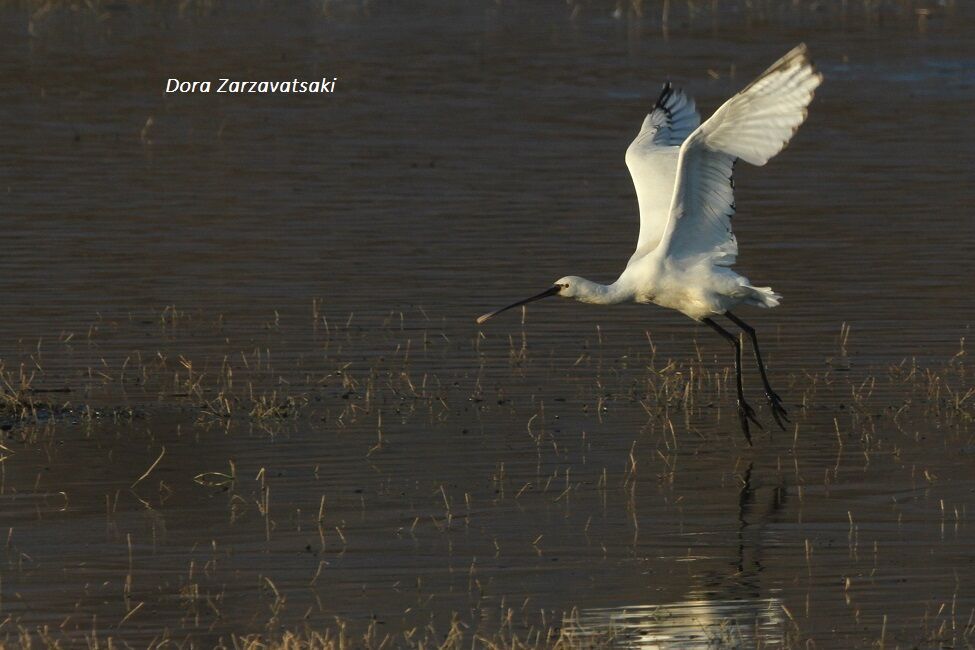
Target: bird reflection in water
[{"x": 728, "y": 610}]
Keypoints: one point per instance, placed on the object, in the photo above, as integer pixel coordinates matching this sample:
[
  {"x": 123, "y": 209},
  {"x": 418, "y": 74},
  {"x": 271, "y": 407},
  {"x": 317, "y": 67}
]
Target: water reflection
[
  {"x": 689, "y": 624},
  {"x": 728, "y": 610}
]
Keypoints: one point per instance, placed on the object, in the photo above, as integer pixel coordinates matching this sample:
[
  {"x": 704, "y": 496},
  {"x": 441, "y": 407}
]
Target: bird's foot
[
  {"x": 778, "y": 411},
  {"x": 746, "y": 413}
]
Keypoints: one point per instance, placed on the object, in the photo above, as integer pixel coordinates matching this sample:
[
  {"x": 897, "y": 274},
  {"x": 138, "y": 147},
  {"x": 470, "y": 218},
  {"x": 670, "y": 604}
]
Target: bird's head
[
  {"x": 569, "y": 286},
  {"x": 564, "y": 287}
]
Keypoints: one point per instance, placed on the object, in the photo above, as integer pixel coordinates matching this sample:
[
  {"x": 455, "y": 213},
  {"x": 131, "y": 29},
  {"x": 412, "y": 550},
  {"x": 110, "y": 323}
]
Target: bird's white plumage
[
  {"x": 682, "y": 174},
  {"x": 754, "y": 125},
  {"x": 673, "y": 118},
  {"x": 652, "y": 160},
  {"x": 699, "y": 215}
]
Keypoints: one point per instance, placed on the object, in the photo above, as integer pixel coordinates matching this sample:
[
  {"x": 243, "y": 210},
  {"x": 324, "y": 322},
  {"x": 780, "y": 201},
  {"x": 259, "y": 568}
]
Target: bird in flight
[{"x": 683, "y": 175}]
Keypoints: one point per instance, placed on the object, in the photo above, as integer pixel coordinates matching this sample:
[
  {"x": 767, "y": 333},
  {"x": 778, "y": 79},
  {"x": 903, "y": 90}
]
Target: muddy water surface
[{"x": 261, "y": 403}]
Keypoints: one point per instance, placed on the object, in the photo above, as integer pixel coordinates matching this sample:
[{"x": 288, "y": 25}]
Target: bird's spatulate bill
[{"x": 551, "y": 291}]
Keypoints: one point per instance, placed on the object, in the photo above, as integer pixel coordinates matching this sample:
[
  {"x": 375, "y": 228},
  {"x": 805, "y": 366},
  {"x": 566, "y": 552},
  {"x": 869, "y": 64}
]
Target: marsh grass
[
  {"x": 346, "y": 373},
  {"x": 336, "y": 637},
  {"x": 376, "y": 386},
  {"x": 19, "y": 401}
]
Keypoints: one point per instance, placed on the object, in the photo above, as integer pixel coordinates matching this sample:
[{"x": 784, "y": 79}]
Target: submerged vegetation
[
  {"x": 608, "y": 430},
  {"x": 347, "y": 372}
]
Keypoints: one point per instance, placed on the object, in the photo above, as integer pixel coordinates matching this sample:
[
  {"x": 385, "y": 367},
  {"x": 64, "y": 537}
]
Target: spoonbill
[{"x": 682, "y": 171}]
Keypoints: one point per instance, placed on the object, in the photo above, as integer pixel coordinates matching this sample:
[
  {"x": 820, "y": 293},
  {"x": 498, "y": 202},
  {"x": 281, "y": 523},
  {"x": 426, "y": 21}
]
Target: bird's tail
[{"x": 762, "y": 297}]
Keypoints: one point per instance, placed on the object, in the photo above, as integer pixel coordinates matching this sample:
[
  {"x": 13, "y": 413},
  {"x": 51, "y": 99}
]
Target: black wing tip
[{"x": 665, "y": 94}]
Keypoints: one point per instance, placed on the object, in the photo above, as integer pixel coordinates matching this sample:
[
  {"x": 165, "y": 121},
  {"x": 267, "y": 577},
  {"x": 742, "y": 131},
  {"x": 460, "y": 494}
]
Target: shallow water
[{"x": 560, "y": 473}]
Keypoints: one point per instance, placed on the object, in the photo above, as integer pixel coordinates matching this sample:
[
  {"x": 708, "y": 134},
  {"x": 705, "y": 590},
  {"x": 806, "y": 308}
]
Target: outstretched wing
[
  {"x": 652, "y": 159},
  {"x": 754, "y": 125}
]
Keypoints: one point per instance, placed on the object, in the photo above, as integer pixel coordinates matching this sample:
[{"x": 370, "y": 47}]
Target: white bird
[{"x": 682, "y": 173}]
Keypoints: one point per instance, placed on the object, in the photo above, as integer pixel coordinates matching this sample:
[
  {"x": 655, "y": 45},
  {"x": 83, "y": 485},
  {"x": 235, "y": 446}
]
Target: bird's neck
[{"x": 602, "y": 294}]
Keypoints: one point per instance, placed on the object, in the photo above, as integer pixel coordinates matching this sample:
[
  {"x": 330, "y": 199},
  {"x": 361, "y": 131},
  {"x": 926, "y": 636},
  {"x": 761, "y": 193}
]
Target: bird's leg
[
  {"x": 775, "y": 402},
  {"x": 745, "y": 412}
]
